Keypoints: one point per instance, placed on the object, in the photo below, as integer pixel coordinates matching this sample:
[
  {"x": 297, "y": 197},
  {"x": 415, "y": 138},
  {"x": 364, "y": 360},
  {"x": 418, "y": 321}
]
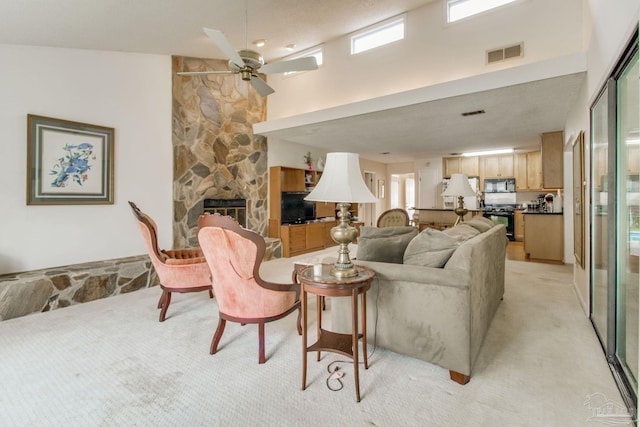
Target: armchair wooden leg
[
  {"x": 161, "y": 300},
  {"x": 459, "y": 378},
  {"x": 163, "y": 304},
  {"x": 210, "y": 293},
  {"x": 216, "y": 337},
  {"x": 261, "y": 358}
]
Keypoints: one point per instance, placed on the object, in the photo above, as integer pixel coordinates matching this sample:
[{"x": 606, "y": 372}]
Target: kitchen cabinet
[
  {"x": 534, "y": 170},
  {"x": 544, "y": 236},
  {"x": 518, "y": 226},
  {"x": 450, "y": 165},
  {"x": 498, "y": 166},
  {"x": 552, "y": 159},
  {"x": 528, "y": 171},
  {"x": 466, "y": 165},
  {"x": 469, "y": 166},
  {"x": 520, "y": 170}
]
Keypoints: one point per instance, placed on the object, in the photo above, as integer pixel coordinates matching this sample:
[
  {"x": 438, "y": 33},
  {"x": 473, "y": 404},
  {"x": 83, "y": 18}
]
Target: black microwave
[{"x": 500, "y": 185}]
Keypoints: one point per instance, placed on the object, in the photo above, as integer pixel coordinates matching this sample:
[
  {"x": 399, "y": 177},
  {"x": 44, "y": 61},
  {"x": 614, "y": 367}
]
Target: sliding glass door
[
  {"x": 599, "y": 213},
  {"x": 615, "y": 224},
  {"x": 628, "y": 227}
]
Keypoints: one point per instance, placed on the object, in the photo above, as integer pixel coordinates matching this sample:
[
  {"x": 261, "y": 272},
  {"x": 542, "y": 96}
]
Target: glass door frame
[{"x": 627, "y": 391}]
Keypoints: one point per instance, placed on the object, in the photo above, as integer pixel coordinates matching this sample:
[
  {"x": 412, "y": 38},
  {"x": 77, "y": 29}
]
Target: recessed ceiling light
[
  {"x": 259, "y": 42},
  {"x": 290, "y": 46},
  {"x": 473, "y": 113}
]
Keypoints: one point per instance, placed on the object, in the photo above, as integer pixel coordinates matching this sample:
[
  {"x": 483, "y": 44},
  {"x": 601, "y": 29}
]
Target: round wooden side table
[{"x": 326, "y": 285}]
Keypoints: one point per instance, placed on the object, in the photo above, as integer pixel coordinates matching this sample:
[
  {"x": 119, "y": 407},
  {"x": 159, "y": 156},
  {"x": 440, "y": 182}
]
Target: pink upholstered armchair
[
  {"x": 234, "y": 255},
  {"x": 179, "y": 270}
]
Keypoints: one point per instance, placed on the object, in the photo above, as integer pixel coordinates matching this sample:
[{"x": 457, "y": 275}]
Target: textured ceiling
[
  {"x": 515, "y": 115},
  {"x": 174, "y": 27}
]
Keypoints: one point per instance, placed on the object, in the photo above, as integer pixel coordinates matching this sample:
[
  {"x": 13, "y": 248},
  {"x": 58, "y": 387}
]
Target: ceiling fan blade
[
  {"x": 261, "y": 86},
  {"x": 300, "y": 64},
  {"x": 221, "y": 41},
  {"x": 196, "y": 73}
]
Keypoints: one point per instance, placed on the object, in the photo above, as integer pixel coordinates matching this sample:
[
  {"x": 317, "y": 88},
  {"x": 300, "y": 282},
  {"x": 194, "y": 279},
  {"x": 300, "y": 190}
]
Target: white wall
[
  {"x": 608, "y": 27},
  {"x": 432, "y": 52},
  {"x": 129, "y": 92}
]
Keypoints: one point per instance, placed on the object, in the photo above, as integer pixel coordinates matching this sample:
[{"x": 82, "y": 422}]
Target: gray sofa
[{"x": 437, "y": 314}]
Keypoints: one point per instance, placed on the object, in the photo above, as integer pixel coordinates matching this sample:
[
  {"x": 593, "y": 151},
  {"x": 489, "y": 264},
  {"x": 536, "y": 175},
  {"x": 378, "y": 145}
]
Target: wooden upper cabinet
[
  {"x": 534, "y": 170},
  {"x": 520, "y": 169},
  {"x": 450, "y": 165},
  {"x": 469, "y": 166},
  {"x": 466, "y": 165},
  {"x": 498, "y": 166},
  {"x": 552, "y": 160},
  {"x": 291, "y": 179}
]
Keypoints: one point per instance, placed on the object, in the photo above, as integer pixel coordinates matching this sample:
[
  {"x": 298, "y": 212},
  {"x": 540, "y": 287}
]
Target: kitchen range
[{"x": 500, "y": 203}]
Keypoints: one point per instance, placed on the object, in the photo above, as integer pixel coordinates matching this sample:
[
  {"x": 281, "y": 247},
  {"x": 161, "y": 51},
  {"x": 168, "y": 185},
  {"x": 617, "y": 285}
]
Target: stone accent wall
[
  {"x": 216, "y": 155},
  {"x": 48, "y": 289}
]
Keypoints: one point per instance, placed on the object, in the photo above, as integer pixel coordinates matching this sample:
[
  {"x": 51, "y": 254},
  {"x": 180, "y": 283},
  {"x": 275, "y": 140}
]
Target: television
[{"x": 295, "y": 209}]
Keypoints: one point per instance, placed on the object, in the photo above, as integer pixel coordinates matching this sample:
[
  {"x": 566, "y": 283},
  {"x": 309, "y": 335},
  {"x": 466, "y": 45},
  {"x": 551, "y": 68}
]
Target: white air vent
[{"x": 504, "y": 53}]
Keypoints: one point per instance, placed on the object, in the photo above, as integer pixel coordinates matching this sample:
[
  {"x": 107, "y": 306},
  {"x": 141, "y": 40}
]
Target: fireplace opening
[{"x": 235, "y": 208}]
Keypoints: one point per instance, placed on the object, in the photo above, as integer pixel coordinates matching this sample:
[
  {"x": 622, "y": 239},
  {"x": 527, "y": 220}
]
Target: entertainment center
[{"x": 301, "y": 225}]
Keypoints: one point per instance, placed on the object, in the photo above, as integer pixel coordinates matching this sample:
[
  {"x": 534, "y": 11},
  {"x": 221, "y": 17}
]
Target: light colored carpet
[{"x": 111, "y": 363}]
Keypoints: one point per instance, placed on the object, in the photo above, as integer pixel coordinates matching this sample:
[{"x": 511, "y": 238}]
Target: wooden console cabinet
[{"x": 300, "y": 238}]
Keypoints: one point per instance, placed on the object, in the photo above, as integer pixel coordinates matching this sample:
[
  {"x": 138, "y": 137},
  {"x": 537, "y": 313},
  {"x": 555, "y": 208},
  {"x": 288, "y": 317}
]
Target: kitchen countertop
[
  {"x": 443, "y": 209},
  {"x": 539, "y": 212}
]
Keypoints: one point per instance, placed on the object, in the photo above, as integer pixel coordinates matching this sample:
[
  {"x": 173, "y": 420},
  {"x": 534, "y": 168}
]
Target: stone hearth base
[{"x": 49, "y": 289}]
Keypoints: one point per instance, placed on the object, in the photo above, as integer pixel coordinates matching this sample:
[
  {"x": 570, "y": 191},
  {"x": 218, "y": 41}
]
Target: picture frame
[
  {"x": 578, "y": 199},
  {"x": 381, "y": 188},
  {"x": 68, "y": 163}
]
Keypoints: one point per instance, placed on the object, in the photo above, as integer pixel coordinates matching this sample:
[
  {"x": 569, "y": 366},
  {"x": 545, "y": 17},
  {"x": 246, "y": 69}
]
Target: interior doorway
[{"x": 369, "y": 212}]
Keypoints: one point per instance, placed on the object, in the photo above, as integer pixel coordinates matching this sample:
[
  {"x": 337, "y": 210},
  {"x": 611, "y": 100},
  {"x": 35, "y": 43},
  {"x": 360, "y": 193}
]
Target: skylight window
[
  {"x": 378, "y": 35},
  {"x": 461, "y": 9},
  {"x": 316, "y": 53}
]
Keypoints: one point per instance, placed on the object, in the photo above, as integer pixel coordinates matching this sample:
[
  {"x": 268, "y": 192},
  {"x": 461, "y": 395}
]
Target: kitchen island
[{"x": 544, "y": 235}]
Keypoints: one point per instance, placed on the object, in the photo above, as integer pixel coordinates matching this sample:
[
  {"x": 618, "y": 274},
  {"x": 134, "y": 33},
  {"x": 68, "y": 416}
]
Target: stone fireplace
[
  {"x": 216, "y": 155},
  {"x": 235, "y": 208}
]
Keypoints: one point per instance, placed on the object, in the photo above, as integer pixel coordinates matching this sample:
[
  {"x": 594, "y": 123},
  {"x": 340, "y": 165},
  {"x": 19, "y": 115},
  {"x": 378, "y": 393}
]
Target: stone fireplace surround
[{"x": 216, "y": 156}]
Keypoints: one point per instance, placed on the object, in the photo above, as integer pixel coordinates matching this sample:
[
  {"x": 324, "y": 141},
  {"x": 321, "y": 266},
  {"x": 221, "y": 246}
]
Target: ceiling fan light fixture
[{"x": 259, "y": 42}]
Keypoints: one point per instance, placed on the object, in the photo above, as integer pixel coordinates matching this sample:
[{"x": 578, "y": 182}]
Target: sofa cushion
[
  {"x": 480, "y": 223},
  {"x": 461, "y": 232},
  {"x": 431, "y": 248},
  {"x": 384, "y": 244}
]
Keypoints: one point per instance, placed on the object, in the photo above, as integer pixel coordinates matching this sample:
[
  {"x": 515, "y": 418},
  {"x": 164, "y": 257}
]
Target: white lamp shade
[
  {"x": 459, "y": 186},
  {"x": 342, "y": 181}
]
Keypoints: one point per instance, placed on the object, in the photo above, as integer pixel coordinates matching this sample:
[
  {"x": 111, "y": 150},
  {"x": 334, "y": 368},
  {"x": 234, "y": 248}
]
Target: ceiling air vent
[{"x": 504, "y": 53}]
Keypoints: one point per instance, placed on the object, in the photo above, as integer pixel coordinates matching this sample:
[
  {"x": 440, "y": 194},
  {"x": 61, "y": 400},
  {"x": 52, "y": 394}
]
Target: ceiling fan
[{"x": 247, "y": 62}]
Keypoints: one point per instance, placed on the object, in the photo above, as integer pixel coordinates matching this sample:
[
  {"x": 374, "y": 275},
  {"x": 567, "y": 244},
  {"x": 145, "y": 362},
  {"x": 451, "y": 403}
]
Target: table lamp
[
  {"x": 459, "y": 186},
  {"x": 341, "y": 182}
]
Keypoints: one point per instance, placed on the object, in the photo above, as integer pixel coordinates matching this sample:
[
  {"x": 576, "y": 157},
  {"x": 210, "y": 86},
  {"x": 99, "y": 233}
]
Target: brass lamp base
[
  {"x": 461, "y": 211},
  {"x": 343, "y": 234}
]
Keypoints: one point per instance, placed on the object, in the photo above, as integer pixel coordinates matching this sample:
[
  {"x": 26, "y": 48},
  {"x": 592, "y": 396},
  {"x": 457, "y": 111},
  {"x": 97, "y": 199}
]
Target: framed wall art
[{"x": 68, "y": 162}]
